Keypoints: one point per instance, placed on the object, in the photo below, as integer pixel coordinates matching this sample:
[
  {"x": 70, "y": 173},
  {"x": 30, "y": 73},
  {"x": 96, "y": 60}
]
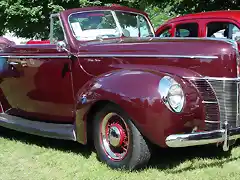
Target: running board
[{"x": 51, "y": 130}]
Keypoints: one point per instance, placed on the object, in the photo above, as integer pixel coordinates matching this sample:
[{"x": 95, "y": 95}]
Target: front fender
[{"x": 136, "y": 92}]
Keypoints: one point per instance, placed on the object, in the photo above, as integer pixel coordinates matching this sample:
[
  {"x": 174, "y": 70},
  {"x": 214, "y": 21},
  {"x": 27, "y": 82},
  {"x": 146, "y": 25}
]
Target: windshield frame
[{"x": 118, "y": 25}]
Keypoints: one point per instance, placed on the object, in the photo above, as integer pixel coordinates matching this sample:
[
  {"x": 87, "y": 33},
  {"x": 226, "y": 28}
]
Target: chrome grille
[
  {"x": 221, "y": 100},
  {"x": 210, "y": 102},
  {"x": 227, "y": 96}
]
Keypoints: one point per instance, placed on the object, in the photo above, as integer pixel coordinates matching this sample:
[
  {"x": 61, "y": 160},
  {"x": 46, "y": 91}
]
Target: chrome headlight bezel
[{"x": 172, "y": 94}]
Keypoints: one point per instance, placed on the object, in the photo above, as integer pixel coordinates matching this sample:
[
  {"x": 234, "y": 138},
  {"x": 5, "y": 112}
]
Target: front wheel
[{"x": 117, "y": 141}]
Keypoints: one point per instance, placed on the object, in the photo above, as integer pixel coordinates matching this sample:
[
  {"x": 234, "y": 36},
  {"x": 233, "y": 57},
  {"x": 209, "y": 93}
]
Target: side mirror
[{"x": 61, "y": 46}]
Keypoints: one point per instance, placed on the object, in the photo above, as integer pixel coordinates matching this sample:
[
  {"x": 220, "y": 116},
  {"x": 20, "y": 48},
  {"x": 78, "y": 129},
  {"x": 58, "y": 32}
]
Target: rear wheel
[{"x": 117, "y": 141}]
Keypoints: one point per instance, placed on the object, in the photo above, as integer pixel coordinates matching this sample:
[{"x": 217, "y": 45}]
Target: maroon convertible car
[{"x": 105, "y": 77}]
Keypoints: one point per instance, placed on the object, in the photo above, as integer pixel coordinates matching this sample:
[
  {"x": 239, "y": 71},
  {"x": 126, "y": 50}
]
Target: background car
[{"x": 218, "y": 24}]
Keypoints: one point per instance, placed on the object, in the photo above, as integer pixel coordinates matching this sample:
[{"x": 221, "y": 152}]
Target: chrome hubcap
[{"x": 114, "y": 136}]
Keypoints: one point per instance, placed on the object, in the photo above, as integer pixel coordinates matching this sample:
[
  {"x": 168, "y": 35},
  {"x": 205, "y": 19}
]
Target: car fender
[{"x": 136, "y": 92}]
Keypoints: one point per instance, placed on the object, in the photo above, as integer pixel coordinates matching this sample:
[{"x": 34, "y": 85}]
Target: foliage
[
  {"x": 161, "y": 11},
  {"x": 30, "y": 18},
  {"x": 159, "y": 15},
  {"x": 191, "y": 6}
]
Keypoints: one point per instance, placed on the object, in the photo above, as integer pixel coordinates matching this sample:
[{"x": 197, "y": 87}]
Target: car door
[
  {"x": 165, "y": 31},
  {"x": 222, "y": 28},
  {"x": 187, "y": 28},
  {"x": 38, "y": 84}
]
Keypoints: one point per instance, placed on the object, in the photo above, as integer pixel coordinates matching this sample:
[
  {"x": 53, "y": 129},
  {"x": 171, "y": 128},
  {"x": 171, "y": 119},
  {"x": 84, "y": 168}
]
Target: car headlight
[{"x": 171, "y": 93}]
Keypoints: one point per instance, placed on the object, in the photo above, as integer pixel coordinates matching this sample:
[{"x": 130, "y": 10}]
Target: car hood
[
  {"x": 154, "y": 46},
  {"x": 197, "y": 54}
]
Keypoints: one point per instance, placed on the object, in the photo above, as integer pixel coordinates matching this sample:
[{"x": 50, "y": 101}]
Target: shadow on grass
[
  {"x": 61, "y": 145},
  {"x": 163, "y": 159},
  {"x": 169, "y": 159}
]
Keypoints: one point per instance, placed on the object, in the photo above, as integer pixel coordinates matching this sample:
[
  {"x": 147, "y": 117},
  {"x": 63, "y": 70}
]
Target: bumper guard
[{"x": 204, "y": 138}]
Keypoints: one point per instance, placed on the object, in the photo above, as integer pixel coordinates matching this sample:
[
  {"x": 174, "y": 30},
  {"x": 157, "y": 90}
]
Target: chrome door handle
[
  {"x": 13, "y": 63},
  {"x": 21, "y": 62}
]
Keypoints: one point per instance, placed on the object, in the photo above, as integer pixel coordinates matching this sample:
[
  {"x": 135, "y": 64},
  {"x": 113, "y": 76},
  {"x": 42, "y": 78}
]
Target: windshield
[{"x": 109, "y": 24}]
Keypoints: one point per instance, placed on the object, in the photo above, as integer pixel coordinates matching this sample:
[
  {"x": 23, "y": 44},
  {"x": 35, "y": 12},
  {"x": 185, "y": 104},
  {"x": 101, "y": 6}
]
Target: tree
[
  {"x": 159, "y": 15},
  {"x": 162, "y": 10},
  {"x": 30, "y": 18},
  {"x": 192, "y": 6}
]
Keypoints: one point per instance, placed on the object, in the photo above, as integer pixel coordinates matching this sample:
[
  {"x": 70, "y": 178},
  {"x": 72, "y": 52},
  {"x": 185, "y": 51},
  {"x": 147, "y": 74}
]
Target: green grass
[{"x": 28, "y": 157}]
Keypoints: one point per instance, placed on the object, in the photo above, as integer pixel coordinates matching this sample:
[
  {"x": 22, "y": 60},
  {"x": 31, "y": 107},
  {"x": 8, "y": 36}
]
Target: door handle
[
  {"x": 13, "y": 63},
  {"x": 20, "y": 62}
]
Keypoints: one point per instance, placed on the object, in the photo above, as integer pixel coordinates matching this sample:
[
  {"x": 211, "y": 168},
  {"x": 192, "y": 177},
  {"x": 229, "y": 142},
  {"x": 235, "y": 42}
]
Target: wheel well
[{"x": 91, "y": 113}]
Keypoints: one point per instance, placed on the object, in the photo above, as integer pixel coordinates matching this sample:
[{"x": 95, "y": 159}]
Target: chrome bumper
[{"x": 203, "y": 138}]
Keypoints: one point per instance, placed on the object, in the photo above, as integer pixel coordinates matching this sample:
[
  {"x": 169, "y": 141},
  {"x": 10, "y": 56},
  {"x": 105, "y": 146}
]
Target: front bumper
[{"x": 203, "y": 138}]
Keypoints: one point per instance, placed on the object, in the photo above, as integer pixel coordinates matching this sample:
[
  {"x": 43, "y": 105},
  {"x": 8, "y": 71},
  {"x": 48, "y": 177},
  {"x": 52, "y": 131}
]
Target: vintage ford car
[
  {"x": 105, "y": 77},
  {"x": 216, "y": 24}
]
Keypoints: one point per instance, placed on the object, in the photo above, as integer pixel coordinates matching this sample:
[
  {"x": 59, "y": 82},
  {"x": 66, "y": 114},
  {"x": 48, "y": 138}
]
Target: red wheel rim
[{"x": 114, "y": 136}]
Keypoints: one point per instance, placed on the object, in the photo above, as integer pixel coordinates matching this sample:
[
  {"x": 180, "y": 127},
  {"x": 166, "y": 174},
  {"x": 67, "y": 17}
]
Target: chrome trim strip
[
  {"x": 51, "y": 28},
  {"x": 119, "y": 55},
  {"x": 213, "y": 122},
  {"x": 238, "y": 75},
  {"x": 209, "y": 102},
  {"x": 224, "y": 105},
  {"x": 35, "y": 57},
  {"x": 117, "y": 22},
  {"x": 238, "y": 101},
  {"x": 2, "y": 109},
  {"x": 51, "y": 130},
  {"x": 147, "y": 56},
  {"x": 212, "y": 78}
]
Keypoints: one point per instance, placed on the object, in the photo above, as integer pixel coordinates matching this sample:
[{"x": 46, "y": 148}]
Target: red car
[
  {"x": 38, "y": 42},
  {"x": 105, "y": 77},
  {"x": 215, "y": 24}
]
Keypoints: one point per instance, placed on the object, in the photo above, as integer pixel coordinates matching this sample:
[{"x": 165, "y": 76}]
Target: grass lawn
[{"x": 27, "y": 157}]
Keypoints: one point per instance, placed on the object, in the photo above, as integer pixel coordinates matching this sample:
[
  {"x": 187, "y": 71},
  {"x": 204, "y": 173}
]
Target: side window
[
  {"x": 223, "y": 30},
  {"x": 165, "y": 33},
  {"x": 187, "y": 30},
  {"x": 144, "y": 27},
  {"x": 57, "y": 31},
  {"x": 235, "y": 33}
]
